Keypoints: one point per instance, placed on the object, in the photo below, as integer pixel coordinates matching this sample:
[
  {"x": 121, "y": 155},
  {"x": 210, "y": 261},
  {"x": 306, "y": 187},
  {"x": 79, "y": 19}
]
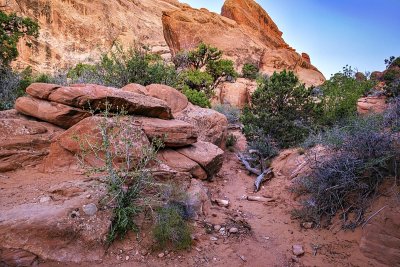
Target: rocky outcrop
[
  {"x": 97, "y": 97},
  {"x": 210, "y": 125},
  {"x": 236, "y": 94},
  {"x": 257, "y": 38},
  {"x": 209, "y": 156},
  {"x": 175, "y": 99},
  {"x": 24, "y": 142},
  {"x": 55, "y": 113},
  {"x": 77, "y": 31},
  {"x": 174, "y": 133},
  {"x": 381, "y": 237},
  {"x": 371, "y": 104}
]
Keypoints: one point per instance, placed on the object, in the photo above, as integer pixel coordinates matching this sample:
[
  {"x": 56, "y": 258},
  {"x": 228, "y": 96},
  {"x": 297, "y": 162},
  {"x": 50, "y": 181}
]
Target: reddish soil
[{"x": 269, "y": 243}]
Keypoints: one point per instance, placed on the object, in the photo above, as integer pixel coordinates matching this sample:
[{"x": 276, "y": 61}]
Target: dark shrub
[
  {"x": 250, "y": 71},
  {"x": 195, "y": 97},
  {"x": 231, "y": 113}
]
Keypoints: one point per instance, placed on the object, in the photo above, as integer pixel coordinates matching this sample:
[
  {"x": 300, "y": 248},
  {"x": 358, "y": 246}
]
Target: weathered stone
[
  {"x": 55, "y": 113},
  {"x": 174, "y": 99},
  {"x": 89, "y": 209},
  {"x": 91, "y": 96},
  {"x": 237, "y": 94},
  {"x": 371, "y": 104},
  {"x": 211, "y": 125},
  {"x": 174, "y": 133},
  {"x": 135, "y": 88},
  {"x": 298, "y": 250},
  {"x": 209, "y": 156},
  {"x": 198, "y": 199},
  {"x": 181, "y": 163}
]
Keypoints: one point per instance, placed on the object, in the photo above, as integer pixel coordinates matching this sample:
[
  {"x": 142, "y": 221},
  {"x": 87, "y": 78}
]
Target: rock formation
[
  {"x": 73, "y": 31},
  {"x": 244, "y": 32}
]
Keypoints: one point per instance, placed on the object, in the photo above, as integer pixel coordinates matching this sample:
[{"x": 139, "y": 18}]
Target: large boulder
[
  {"x": 371, "y": 104},
  {"x": 174, "y": 133},
  {"x": 85, "y": 139},
  {"x": 199, "y": 200},
  {"x": 211, "y": 125},
  {"x": 92, "y": 96},
  {"x": 207, "y": 155},
  {"x": 236, "y": 94},
  {"x": 181, "y": 163},
  {"x": 381, "y": 237},
  {"x": 174, "y": 99},
  {"x": 55, "y": 113},
  {"x": 256, "y": 37},
  {"x": 24, "y": 142},
  {"x": 135, "y": 88}
]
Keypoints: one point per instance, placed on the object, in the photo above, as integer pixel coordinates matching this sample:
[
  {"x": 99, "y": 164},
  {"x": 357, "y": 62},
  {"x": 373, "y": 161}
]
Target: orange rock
[
  {"x": 256, "y": 37},
  {"x": 371, "y": 104},
  {"x": 211, "y": 126},
  {"x": 181, "y": 163},
  {"x": 96, "y": 96},
  {"x": 58, "y": 114},
  {"x": 306, "y": 57},
  {"x": 235, "y": 94},
  {"x": 174, "y": 133},
  {"x": 174, "y": 99},
  {"x": 135, "y": 88}
]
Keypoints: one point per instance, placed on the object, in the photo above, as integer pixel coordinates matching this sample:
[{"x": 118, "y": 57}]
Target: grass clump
[
  {"x": 171, "y": 229},
  {"x": 231, "y": 141},
  {"x": 231, "y": 113}
]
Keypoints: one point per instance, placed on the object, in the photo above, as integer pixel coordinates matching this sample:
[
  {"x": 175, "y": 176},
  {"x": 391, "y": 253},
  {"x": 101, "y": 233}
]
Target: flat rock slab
[
  {"x": 174, "y": 133},
  {"x": 175, "y": 99},
  {"x": 208, "y": 155},
  {"x": 55, "y": 113},
  {"x": 95, "y": 97},
  {"x": 181, "y": 163}
]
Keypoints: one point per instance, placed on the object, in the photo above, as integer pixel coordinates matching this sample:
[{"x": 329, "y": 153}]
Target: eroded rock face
[
  {"x": 381, "y": 237},
  {"x": 256, "y": 37},
  {"x": 79, "y": 30},
  {"x": 24, "y": 142},
  {"x": 55, "y": 113},
  {"x": 211, "y": 125},
  {"x": 96, "y": 97},
  {"x": 236, "y": 94}
]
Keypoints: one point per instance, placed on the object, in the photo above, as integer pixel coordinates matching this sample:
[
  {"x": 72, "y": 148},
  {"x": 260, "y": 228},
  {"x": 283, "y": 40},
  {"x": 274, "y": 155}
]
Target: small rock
[
  {"x": 143, "y": 252},
  {"x": 295, "y": 259},
  {"x": 307, "y": 225},
  {"x": 88, "y": 196},
  {"x": 222, "y": 202},
  {"x": 74, "y": 214},
  {"x": 213, "y": 238},
  {"x": 259, "y": 199},
  {"x": 298, "y": 250},
  {"x": 127, "y": 258},
  {"x": 44, "y": 199},
  {"x": 233, "y": 230},
  {"x": 89, "y": 209},
  {"x": 217, "y": 227},
  {"x": 161, "y": 255},
  {"x": 198, "y": 249}
]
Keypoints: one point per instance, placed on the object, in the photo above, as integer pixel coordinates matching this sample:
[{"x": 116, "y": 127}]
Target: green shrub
[
  {"x": 339, "y": 96},
  {"x": 231, "y": 113},
  {"x": 121, "y": 67},
  {"x": 13, "y": 28},
  {"x": 358, "y": 156},
  {"x": 195, "y": 97},
  {"x": 281, "y": 108},
  {"x": 231, "y": 140},
  {"x": 250, "y": 71},
  {"x": 171, "y": 230},
  {"x": 202, "y": 55},
  {"x": 220, "y": 69},
  {"x": 197, "y": 80}
]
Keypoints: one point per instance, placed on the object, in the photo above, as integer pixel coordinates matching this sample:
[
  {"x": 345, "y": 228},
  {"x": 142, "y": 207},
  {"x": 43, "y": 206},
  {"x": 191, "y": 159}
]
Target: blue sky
[{"x": 360, "y": 33}]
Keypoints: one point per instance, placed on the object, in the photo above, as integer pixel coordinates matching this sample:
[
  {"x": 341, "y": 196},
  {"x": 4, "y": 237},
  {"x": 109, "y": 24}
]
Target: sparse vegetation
[
  {"x": 195, "y": 97},
  {"x": 353, "y": 159},
  {"x": 231, "y": 140},
  {"x": 231, "y": 113}
]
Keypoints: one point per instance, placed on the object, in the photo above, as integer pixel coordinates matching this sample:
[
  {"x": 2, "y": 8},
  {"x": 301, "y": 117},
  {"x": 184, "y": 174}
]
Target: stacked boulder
[{"x": 191, "y": 135}]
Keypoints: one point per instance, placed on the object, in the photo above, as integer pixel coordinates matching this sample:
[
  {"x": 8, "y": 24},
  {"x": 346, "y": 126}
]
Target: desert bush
[
  {"x": 281, "y": 108},
  {"x": 339, "y": 95},
  {"x": 221, "y": 69},
  {"x": 231, "y": 140},
  {"x": 263, "y": 144},
  {"x": 392, "y": 115},
  {"x": 171, "y": 228},
  {"x": 202, "y": 55},
  {"x": 9, "y": 88},
  {"x": 121, "y": 67},
  {"x": 195, "y": 97},
  {"x": 231, "y": 113},
  {"x": 356, "y": 157},
  {"x": 250, "y": 71},
  {"x": 197, "y": 80}
]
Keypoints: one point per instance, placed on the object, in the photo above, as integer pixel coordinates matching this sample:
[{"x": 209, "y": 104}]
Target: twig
[
  {"x": 247, "y": 165},
  {"x": 261, "y": 179},
  {"x": 373, "y": 215}
]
